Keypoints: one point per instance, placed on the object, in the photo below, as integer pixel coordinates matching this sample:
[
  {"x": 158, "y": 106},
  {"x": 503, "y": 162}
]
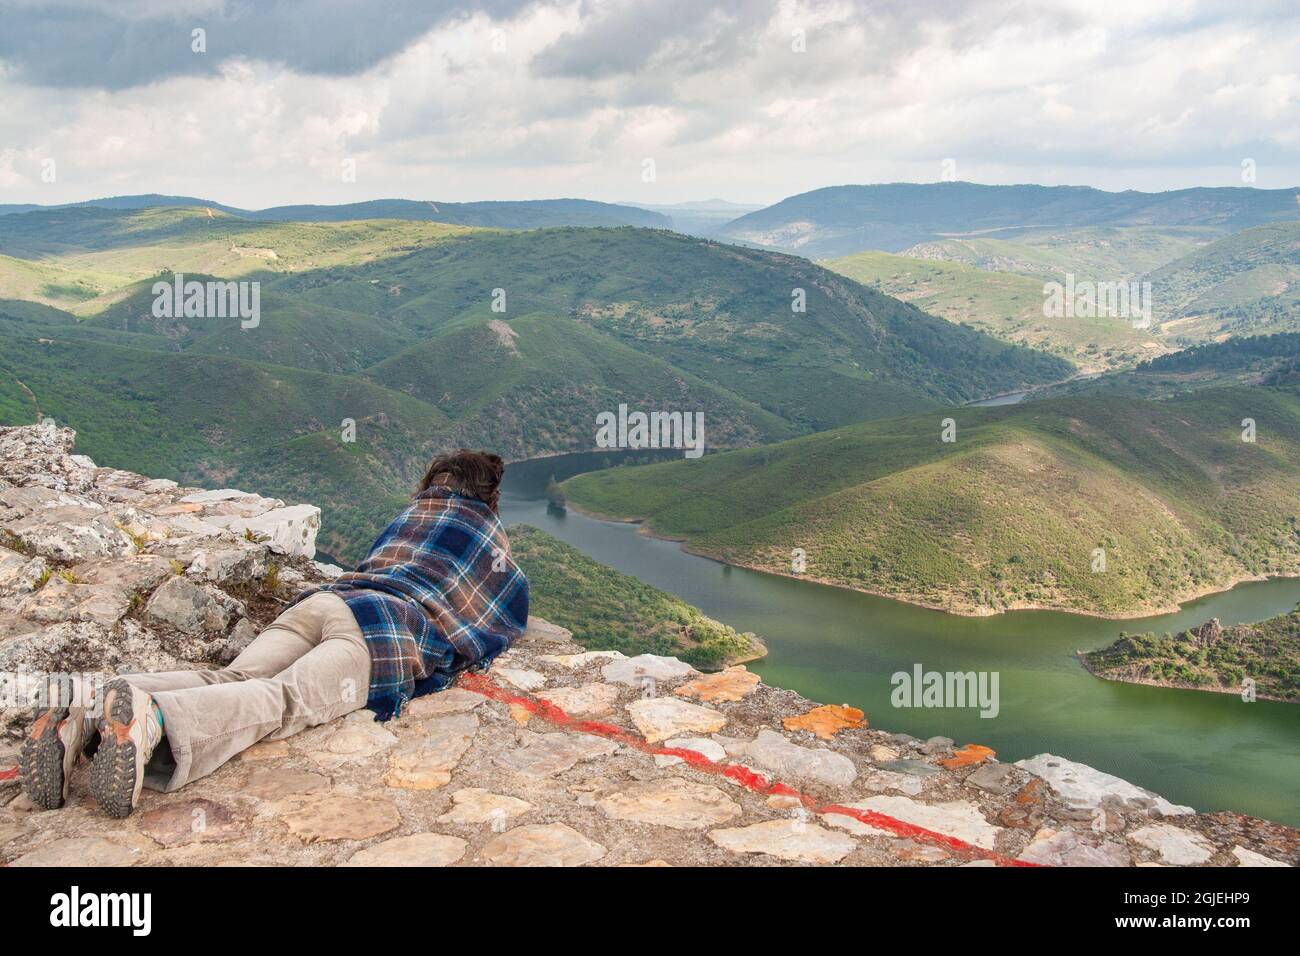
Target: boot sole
[
  {"x": 113, "y": 771},
  {"x": 40, "y": 766}
]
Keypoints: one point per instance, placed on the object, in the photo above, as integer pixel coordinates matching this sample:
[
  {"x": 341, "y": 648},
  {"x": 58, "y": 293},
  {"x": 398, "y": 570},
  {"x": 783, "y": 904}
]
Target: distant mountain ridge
[
  {"x": 523, "y": 214},
  {"x": 841, "y": 220}
]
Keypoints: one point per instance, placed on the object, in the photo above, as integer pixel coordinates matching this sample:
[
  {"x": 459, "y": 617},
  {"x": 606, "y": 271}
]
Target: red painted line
[
  {"x": 8, "y": 773},
  {"x": 755, "y": 782}
]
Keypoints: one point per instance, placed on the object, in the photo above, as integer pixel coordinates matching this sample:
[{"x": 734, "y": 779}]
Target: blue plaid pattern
[{"x": 438, "y": 592}]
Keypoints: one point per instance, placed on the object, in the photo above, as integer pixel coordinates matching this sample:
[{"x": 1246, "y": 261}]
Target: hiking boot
[
  {"x": 51, "y": 749},
  {"x": 129, "y": 729}
]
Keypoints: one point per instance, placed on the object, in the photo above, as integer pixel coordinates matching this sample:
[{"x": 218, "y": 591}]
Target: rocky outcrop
[
  {"x": 1208, "y": 634},
  {"x": 554, "y": 756},
  {"x": 105, "y": 570}
]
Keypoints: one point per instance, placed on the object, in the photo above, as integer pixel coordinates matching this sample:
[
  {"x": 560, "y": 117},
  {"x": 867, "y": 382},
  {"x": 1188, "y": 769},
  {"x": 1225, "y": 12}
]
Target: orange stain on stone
[
  {"x": 732, "y": 684},
  {"x": 1029, "y": 793},
  {"x": 968, "y": 756},
  {"x": 828, "y": 720}
]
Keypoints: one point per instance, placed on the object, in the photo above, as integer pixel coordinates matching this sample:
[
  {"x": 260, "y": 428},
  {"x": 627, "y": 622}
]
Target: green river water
[{"x": 1209, "y": 751}]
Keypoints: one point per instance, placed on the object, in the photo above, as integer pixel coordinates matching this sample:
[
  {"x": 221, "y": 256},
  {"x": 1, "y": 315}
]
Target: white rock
[
  {"x": 575, "y": 661},
  {"x": 523, "y": 679},
  {"x": 670, "y": 802},
  {"x": 908, "y": 783},
  {"x": 1067, "y": 848},
  {"x": 18, "y": 503},
  {"x": 61, "y": 600},
  {"x": 635, "y": 670},
  {"x": 420, "y": 849},
  {"x": 72, "y": 533},
  {"x": 790, "y": 762},
  {"x": 589, "y": 700},
  {"x": 189, "y": 608},
  {"x": 216, "y": 494},
  {"x": 426, "y": 762},
  {"x": 1082, "y": 786},
  {"x": 452, "y": 700},
  {"x": 188, "y": 526},
  {"x": 549, "y": 844},
  {"x": 243, "y": 634},
  {"x": 1175, "y": 845},
  {"x": 1251, "y": 858},
  {"x": 476, "y": 805},
  {"x": 13, "y": 566},
  {"x": 290, "y": 530},
  {"x": 79, "y": 851},
  {"x": 957, "y": 818},
  {"x": 354, "y": 740},
  {"x": 39, "y": 455},
  {"x": 786, "y": 840},
  {"x": 541, "y": 631},
  {"x": 235, "y": 563},
  {"x": 659, "y": 718},
  {"x": 543, "y": 755},
  {"x": 292, "y": 578},
  {"x": 230, "y": 502},
  {"x": 700, "y": 745}
]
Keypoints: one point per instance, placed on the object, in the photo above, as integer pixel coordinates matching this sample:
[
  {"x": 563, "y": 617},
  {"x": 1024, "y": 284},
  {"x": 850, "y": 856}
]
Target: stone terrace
[{"x": 555, "y": 756}]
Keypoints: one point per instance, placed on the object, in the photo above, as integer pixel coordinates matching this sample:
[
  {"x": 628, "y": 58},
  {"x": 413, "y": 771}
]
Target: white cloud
[{"x": 566, "y": 99}]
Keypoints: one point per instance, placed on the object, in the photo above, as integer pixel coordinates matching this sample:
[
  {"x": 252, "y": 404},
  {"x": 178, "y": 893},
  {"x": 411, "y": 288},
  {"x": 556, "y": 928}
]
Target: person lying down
[{"x": 437, "y": 593}]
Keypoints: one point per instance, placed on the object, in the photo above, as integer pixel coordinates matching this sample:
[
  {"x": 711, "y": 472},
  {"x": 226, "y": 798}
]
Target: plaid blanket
[{"x": 438, "y": 593}]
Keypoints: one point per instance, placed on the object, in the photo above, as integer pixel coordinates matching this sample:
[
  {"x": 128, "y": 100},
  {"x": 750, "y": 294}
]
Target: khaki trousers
[{"x": 310, "y": 666}]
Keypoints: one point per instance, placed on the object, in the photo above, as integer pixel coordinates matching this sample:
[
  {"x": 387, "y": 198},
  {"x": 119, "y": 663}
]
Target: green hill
[
  {"x": 1247, "y": 283},
  {"x": 1245, "y": 360},
  {"x": 290, "y": 331},
  {"x": 715, "y": 311},
  {"x": 538, "y": 382},
  {"x": 51, "y": 284},
  {"x": 608, "y": 610},
  {"x": 108, "y": 249},
  {"x": 1003, "y": 304},
  {"x": 1097, "y": 253},
  {"x": 1010, "y": 514}
]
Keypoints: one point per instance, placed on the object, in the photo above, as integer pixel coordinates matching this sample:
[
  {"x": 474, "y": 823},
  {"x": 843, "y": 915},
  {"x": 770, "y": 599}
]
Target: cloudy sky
[{"x": 749, "y": 100}]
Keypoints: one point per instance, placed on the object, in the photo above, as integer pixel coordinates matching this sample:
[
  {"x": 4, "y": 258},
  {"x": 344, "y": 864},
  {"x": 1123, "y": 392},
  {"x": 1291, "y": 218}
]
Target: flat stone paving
[{"x": 489, "y": 774}]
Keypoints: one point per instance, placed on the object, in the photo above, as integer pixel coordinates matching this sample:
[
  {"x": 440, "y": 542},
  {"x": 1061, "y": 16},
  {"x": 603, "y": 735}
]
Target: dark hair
[{"x": 474, "y": 473}]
